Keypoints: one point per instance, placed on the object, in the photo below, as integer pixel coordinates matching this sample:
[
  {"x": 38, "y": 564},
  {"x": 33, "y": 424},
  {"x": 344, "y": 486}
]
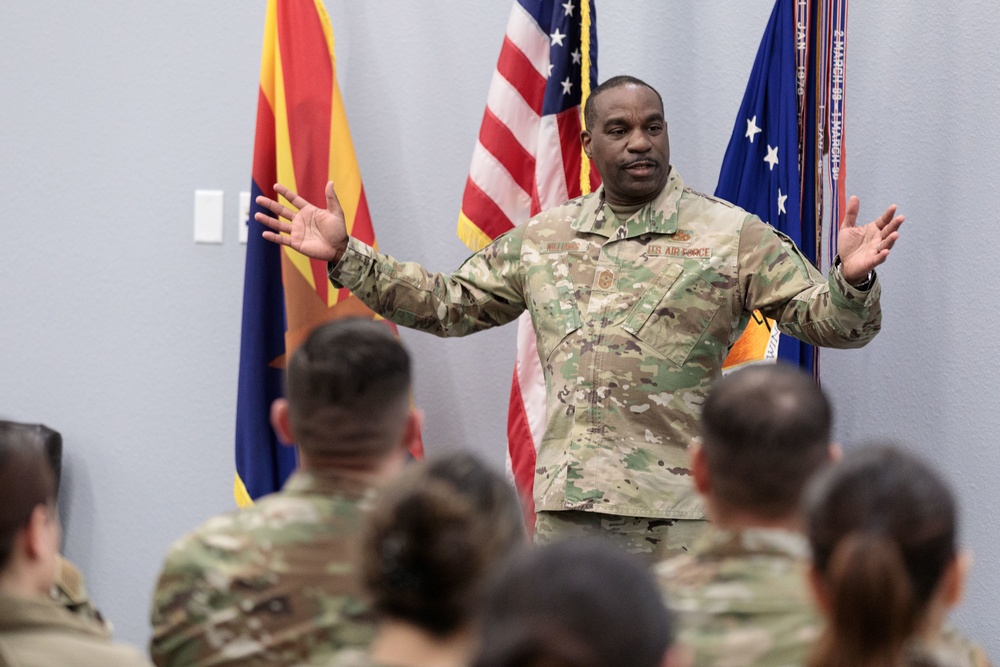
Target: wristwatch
[{"x": 864, "y": 285}]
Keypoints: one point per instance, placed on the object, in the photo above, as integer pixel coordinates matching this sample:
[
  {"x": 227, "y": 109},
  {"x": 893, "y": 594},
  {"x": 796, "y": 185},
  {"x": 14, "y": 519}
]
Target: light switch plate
[{"x": 208, "y": 208}]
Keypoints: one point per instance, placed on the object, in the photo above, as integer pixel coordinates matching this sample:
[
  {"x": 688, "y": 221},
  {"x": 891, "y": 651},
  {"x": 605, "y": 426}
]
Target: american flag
[{"x": 528, "y": 158}]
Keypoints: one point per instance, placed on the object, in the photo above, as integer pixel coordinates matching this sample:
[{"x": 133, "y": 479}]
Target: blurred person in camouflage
[
  {"x": 36, "y": 630},
  {"x": 430, "y": 544},
  {"x": 886, "y": 566},
  {"x": 636, "y": 293},
  {"x": 741, "y": 595},
  {"x": 69, "y": 588},
  {"x": 279, "y": 583}
]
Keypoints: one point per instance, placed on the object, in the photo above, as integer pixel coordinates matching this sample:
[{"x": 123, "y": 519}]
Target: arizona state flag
[{"x": 302, "y": 141}]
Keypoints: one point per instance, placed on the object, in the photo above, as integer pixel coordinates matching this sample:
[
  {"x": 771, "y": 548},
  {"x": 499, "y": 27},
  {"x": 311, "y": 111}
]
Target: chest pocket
[
  {"x": 554, "y": 309},
  {"x": 675, "y": 312}
]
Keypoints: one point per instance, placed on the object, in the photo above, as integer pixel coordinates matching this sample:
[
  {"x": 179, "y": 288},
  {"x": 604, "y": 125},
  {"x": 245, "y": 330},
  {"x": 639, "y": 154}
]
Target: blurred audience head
[
  {"x": 882, "y": 526},
  {"x": 765, "y": 430},
  {"x": 575, "y": 604},
  {"x": 348, "y": 396},
  {"x": 29, "y": 523},
  {"x": 433, "y": 537}
]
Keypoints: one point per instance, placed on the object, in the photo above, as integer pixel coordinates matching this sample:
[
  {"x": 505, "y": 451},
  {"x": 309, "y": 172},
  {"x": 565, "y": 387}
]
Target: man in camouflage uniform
[
  {"x": 35, "y": 629},
  {"x": 741, "y": 594},
  {"x": 636, "y": 293},
  {"x": 279, "y": 583}
]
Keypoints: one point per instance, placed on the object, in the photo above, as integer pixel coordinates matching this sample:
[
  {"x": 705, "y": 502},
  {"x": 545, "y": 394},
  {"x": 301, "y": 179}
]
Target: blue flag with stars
[{"x": 760, "y": 171}]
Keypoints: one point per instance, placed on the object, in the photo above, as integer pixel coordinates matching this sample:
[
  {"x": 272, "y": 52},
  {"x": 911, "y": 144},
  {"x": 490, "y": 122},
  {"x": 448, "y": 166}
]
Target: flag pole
[{"x": 584, "y": 90}]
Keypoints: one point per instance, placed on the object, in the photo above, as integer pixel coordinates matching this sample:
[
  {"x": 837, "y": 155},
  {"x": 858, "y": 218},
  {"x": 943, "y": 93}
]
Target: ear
[
  {"x": 836, "y": 452},
  {"x": 280, "y": 423},
  {"x": 955, "y": 576},
  {"x": 413, "y": 428},
  {"x": 38, "y": 534},
  {"x": 699, "y": 469},
  {"x": 818, "y": 589},
  {"x": 585, "y": 140}
]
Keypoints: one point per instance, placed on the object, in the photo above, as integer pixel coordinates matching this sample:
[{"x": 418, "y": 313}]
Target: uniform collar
[
  {"x": 18, "y": 613},
  {"x": 325, "y": 482},
  {"x": 747, "y": 541},
  {"x": 657, "y": 217}
]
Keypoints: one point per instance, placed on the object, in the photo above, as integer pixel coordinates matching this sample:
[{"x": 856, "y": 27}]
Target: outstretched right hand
[{"x": 317, "y": 233}]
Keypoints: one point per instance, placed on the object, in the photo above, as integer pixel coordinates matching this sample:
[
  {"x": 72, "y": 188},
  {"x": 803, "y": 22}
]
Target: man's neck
[
  {"x": 738, "y": 519},
  {"x": 18, "y": 583},
  {"x": 400, "y": 643},
  {"x": 372, "y": 473}
]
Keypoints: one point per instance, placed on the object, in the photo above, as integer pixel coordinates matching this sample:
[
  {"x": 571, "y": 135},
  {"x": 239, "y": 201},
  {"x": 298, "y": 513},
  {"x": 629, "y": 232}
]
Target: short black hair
[
  {"x": 589, "y": 113},
  {"x": 348, "y": 390},
  {"x": 26, "y": 481},
  {"x": 765, "y": 431},
  {"x": 578, "y": 603}
]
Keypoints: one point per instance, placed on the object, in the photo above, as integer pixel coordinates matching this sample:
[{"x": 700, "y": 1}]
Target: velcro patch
[
  {"x": 661, "y": 250},
  {"x": 564, "y": 246}
]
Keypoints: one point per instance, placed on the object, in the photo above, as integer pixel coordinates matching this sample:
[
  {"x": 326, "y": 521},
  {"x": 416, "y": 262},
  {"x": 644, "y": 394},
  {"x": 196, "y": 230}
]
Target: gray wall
[{"x": 122, "y": 333}]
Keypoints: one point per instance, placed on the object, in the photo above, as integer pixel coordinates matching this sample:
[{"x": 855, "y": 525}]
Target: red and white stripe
[{"x": 524, "y": 162}]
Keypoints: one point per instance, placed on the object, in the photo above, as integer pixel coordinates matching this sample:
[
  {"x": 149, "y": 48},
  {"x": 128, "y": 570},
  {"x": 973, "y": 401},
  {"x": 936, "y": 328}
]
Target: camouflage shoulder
[
  {"x": 570, "y": 208},
  {"x": 965, "y": 647},
  {"x": 953, "y": 649},
  {"x": 70, "y": 591},
  {"x": 711, "y": 198}
]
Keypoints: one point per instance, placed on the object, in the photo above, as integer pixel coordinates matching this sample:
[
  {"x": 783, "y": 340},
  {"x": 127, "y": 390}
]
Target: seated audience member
[
  {"x": 886, "y": 569},
  {"x": 430, "y": 543},
  {"x": 579, "y": 603},
  {"x": 34, "y": 629},
  {"x": 69, "y": 588},
  {"x": 741, "y": 596},
  {"x": 279, "y": 583}
]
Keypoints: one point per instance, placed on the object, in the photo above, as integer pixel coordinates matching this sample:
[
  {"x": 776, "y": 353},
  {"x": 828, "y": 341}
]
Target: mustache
[{"x": 640, "y": 161}]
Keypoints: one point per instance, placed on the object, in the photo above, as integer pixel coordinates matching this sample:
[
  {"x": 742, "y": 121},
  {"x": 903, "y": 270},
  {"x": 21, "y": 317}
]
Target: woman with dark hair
[
  {"x": 430, "y": 542},
  {"x": 579, "y": 603},
  {"x": 886, "y": 569}
]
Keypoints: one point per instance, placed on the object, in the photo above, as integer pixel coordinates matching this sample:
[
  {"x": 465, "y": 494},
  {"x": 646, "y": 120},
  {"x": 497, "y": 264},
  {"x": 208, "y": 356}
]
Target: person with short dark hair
[
  {"x": 36, "y": 631},
  {"x": 431, "y": 540},
  {"x": 576, "y": 603},
  {"x": 883, "y": 527},
  {"x": 636, "y": 293},
  {"x": 279, "y": 582},
  {"x": 741, "y": 594},
  {"x": 69, "y": 588}
]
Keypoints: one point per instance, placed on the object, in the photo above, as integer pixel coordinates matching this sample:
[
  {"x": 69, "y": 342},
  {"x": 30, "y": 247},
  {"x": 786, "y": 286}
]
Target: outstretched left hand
[{"x": 863, "y": 248}]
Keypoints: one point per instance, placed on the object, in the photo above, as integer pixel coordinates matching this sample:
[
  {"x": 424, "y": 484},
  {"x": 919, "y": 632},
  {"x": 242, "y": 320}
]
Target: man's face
[{"x": 629, "y": 144}]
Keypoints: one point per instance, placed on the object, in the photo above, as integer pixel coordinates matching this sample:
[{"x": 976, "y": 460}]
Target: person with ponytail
[
  {"x": 431, "y": 540},
  {"x": 886, "y": 568}
]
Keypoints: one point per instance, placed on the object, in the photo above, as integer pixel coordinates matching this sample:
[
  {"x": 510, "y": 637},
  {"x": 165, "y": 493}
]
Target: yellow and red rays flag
[{"x": 302, "y": 141}]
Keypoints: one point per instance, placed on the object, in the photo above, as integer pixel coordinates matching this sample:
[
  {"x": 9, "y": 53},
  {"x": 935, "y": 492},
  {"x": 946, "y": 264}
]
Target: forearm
[
  {"x": 787, "y": 288},
  {"x": 484, "y": 292}
]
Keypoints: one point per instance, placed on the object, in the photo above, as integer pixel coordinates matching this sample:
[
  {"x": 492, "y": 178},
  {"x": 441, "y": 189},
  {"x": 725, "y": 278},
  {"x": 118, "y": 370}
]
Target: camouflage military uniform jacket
[
  {"x": 277, "y": 583},
  {"x": 633, "y": 321},
  {"x": 40, "y": 633},
  {"x": 742, "y": 598},
  {"x": 951, "y": 650}
]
